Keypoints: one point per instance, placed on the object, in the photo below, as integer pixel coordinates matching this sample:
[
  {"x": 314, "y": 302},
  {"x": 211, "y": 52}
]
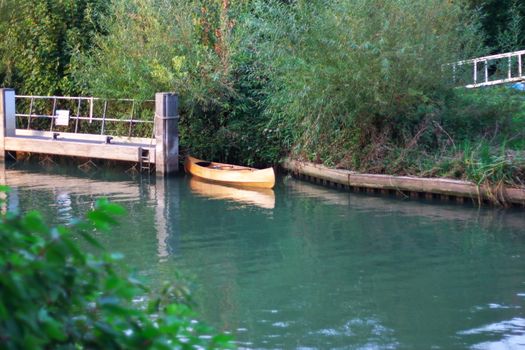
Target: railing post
[
  {"x": 166, "y": 133},
  {"x": 7, "y": 117}
]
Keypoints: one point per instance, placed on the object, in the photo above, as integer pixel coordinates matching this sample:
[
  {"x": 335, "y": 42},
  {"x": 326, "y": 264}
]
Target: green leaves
[
  {"x": 51, "y": 327},
  {"x": 54, "y": 295},
  {"x": 41, "y": 39},
  {"x": 350, "y": 79},
  {"x": 103, "y": 217}
]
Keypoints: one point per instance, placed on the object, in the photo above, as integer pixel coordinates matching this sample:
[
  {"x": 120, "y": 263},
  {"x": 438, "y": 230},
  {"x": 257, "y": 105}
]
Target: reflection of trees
[
  {"x": 420, "y": 264},
  {"x": 330, "y": 261},
  {"x": 324, "y": 268},
  {"x": 62, "y": 197}
]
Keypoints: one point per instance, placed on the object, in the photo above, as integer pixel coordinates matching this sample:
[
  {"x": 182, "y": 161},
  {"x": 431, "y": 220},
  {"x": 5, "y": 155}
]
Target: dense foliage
[
  {"x": 503, "y": 22},
  {"x": 183, "y": 46},
  {"x": 356, "y": 84},
  {"x": 40, "y": 40},
  {"x": 349, "y": 76},
  {"x": 54, "y": 295}
]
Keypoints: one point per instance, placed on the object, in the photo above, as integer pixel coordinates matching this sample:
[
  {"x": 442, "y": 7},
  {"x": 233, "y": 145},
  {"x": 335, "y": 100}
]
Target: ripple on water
[{"x": 510, "y": 334}]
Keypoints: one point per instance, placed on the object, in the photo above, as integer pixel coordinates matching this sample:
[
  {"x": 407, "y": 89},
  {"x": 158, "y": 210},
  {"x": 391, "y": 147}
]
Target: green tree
[
  {"x": 39, "y": 40},
  {"x": 192, "y": 48},
  {"x": 503, "y": 23},
  {"x": 350, "y": 80}
]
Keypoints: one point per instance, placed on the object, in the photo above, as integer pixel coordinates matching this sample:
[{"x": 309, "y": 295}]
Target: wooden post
[
  {"x": 166, "y": 133},
  {"x": 7, "y": 117}
]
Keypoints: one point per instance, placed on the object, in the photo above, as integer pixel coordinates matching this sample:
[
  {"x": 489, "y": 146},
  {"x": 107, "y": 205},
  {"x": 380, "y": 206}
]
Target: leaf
[
  {"x": 73, "y": 249},
  {"x": 33, "y": 222},
  {"x": 54, "y": 330},
  {"x": 101, "y": 220},
  {"x": 222, "y": 339},
  {"x": 3, "y": 311},
  {"x": 91, "y": 240},
  {"x": 112, "y": 282},
  {"x": 52, "y": 327},
  {"x": 114, "y": 209}
]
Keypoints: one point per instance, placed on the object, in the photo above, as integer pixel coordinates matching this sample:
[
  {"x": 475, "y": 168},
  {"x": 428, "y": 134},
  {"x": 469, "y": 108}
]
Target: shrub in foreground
[{"x": 54, "y": 295}]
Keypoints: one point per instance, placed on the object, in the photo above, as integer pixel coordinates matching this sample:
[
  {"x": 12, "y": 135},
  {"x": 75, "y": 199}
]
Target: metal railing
[
  {"x": 90, "y": 110},
  {"x": 491, "y": 70}
]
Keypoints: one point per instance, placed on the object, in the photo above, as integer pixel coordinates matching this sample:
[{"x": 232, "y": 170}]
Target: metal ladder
[
  {"x": 510, "y": 65},
  {"x": 144, "y": 163}
]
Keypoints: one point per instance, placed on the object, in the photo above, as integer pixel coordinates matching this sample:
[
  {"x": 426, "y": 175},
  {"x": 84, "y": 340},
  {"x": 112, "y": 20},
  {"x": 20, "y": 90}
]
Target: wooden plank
[
  {"x": 446, "y": 187},
  {"x": 119, "y": 152}
]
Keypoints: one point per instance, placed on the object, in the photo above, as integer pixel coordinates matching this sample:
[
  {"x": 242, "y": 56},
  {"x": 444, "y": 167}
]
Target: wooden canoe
[{"x": 230, "y": 174}]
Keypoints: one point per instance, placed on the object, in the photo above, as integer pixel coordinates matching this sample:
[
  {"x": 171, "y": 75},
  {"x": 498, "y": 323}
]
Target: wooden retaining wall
[{"x": 407, "y": 186}]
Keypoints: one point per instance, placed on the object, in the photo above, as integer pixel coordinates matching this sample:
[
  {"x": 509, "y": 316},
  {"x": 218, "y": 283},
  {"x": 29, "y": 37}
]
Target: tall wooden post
[
  {"x": 166, "y": 133},
  {"x": 7, "y": 117}
]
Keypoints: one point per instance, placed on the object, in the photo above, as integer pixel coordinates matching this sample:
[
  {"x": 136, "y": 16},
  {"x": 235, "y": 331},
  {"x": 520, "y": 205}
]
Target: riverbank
[{"x": 409, "y": 186}]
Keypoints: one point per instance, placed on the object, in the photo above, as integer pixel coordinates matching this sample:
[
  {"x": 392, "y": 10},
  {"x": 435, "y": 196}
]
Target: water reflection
[
  {"x": 118, "y": 191},
  {"x": 263, "y": 198},
  {"x": 63, "y": 203},
  {"x": 432, "y": 210},
  {"x": 72, "y": 196},
  {"x": 325, "y": 269}
]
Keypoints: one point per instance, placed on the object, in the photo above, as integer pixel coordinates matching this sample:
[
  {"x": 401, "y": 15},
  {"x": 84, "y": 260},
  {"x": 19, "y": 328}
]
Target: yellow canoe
[{"x": 230, "y": 174}]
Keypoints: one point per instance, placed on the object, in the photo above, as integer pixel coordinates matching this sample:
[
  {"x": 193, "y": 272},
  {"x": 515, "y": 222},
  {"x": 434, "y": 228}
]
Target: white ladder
[
  {"x": 482, "y": 69},
  {"x": 144, "y": 163}
]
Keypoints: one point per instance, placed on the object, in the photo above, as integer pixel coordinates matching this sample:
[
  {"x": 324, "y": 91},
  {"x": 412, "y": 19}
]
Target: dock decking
[{"x": 160, "y": 151}]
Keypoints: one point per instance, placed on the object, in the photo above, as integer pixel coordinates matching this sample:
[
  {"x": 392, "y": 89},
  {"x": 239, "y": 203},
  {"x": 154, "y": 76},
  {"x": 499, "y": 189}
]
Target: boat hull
[{"x": 230, "y": 174}]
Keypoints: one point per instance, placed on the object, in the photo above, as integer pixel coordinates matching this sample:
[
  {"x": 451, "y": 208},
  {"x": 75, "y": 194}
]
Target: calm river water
[{"x": 306, "y": 267}]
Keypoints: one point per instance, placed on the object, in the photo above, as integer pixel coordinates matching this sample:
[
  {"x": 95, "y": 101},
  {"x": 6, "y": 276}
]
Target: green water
[{"x": 307, "y": 267}]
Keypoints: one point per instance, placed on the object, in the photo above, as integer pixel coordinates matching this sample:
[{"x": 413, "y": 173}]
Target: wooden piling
[
  {"x": 7, "y": 117},
  {"x": 166, "y": 133}
]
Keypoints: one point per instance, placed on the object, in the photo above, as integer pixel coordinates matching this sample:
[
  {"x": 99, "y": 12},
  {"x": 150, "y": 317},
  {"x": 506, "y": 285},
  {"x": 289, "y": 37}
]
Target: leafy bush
[
  {"x": 346, "y": 78},
  {"x": 495, "y": 114},
  {"x": 40, "y": 39},
  {"x": 187, "y": 47},
  {"x": 503, "y": 23},
  {"x": 53, "y": 295}
]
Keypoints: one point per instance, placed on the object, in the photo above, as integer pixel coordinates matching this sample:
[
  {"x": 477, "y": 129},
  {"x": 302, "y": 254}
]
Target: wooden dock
[{"x": 160, "y": 152}]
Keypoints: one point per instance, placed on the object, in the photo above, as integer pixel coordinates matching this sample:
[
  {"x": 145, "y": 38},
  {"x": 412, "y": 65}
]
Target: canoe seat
[{"x": 204, "y": 164}]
